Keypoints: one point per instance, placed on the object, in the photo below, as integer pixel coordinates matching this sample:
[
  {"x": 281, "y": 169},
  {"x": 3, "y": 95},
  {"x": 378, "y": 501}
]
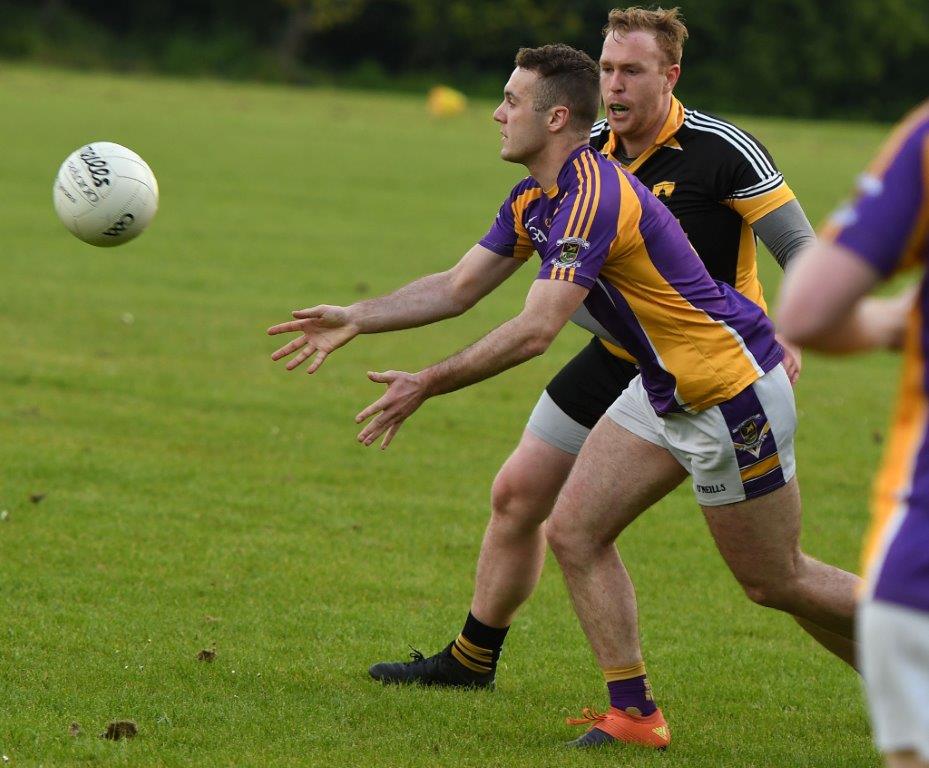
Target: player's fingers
[
  {"x": 382, "y": 378},
  {"x": 290, "y": 346},
  {"x": 371, "y": 432},
  {"x": 309, "y": 312},
  {"x": 389, "y": 435},
  {"x": 317, "y": 361},
  {"x": 288, "y": 327},
  {"x": 302, "y": 355},
  {"x": 375, "y": 407}
]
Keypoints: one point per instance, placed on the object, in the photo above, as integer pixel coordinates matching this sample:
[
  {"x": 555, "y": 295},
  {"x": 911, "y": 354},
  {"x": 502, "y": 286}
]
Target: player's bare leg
[
  {"x": 508, "y": 569},
  {"x": 513, "y": 549},
  {"x": 617, "y": 476},
  {"x": 760, "y": 542}
]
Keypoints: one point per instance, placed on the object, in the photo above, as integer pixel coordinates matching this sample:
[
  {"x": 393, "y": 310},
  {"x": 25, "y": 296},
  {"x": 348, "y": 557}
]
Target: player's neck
[
  {"x": 642, "y": 141},
  {"x": 546, "y": 166}
]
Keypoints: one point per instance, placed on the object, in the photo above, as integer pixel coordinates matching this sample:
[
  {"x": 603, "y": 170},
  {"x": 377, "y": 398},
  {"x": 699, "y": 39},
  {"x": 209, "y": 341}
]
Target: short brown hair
[
  {"x": 667, "y": 26},
  {"x": 566, "y": 76}
]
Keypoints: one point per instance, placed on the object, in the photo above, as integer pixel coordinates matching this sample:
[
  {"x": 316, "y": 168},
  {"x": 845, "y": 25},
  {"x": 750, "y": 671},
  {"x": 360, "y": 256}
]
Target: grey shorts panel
[{"x": 551, "y": 424}]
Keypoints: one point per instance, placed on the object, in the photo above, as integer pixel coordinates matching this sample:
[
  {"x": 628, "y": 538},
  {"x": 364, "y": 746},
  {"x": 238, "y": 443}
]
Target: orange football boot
[{"x": 615, "y": 725}]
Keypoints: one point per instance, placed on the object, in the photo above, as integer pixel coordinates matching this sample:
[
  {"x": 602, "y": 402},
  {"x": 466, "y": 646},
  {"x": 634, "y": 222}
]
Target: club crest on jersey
[
  {"x": 663, "y": 189},
  {"x": 571, "y": 248},
  {"x": 751, "y": 434}
]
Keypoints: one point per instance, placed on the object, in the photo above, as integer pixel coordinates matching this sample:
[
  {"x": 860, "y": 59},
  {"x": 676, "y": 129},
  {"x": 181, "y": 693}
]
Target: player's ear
[
  {"x": 558, "y": 118},
  {"x": 671, "y": 77}
]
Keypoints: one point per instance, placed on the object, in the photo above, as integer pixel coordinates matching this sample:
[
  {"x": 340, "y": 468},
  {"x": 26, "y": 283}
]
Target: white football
[{"x": 105, "y": 194}]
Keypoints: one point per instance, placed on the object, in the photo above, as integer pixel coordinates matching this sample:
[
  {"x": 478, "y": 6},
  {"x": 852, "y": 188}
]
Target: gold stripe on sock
[
  {"x": 612, "y": 674},
  {"x": 464, "y": 660},
  {"x": 482, "y": 654}
]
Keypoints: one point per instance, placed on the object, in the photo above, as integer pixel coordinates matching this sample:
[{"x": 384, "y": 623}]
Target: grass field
[{"x": 197, "y": 496}]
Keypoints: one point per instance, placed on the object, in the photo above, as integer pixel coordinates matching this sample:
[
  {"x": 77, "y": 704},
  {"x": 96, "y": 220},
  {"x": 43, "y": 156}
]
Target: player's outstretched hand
[
  {"x": 322, "y": 330},
  {"x": 793, "y": 358},
  {"x": 405, "y": 393}
]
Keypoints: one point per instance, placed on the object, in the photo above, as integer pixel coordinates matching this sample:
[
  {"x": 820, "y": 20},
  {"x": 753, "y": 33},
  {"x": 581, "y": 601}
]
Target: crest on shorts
[
  {"x": 571, "y": 248},
  {"x": 750, "y": 435}
]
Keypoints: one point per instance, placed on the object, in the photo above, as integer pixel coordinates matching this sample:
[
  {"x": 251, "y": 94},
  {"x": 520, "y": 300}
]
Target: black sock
[{"x": 478, "y": 646}]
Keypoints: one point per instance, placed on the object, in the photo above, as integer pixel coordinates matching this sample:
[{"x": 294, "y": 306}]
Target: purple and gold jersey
[
  {"x": 888, "y": 227},
  {"x": 697, "y": 342}
]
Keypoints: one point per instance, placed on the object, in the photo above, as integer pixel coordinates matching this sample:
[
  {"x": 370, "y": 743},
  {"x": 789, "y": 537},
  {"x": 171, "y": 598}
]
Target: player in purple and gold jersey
[
  {"x": 824, "y": 305},
  {"x": 712, "y": 400},
  {"x": 725, "y": 190}
]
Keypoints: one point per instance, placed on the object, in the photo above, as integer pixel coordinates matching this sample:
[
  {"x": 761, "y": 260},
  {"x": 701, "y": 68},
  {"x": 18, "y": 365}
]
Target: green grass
[{"x": 199, "y": 496}]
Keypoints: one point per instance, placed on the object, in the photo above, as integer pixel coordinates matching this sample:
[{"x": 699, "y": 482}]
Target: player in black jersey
[{"x": 725, "y": 189}]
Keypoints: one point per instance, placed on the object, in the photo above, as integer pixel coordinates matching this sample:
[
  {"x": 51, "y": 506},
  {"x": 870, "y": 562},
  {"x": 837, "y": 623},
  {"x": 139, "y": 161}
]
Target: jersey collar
[
  {"x": 567, "y": 172},
  {"x": 664, "y": 138}
]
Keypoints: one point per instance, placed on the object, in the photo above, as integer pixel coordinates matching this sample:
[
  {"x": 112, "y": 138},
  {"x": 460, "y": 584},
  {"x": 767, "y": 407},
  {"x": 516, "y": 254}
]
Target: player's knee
[
  {"x": 769, "y": 593},
  {"x": 568, "y": 543},
  {"x": 516, "y": 501}
]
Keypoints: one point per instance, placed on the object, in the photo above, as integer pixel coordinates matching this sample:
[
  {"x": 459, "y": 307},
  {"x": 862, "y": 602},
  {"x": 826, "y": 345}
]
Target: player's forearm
[
  {"x": 512, "y": 343},
  {"x": 872, "y": 323},
  {"x": 421, "y": 302}
]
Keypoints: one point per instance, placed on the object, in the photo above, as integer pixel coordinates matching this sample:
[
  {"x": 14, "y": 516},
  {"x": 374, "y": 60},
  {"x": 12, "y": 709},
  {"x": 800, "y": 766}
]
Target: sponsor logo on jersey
[{"x": 663, "y": 189}]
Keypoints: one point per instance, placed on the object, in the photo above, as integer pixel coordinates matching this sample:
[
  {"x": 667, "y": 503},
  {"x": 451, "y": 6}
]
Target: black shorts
[{"x": 590, "y": 382}]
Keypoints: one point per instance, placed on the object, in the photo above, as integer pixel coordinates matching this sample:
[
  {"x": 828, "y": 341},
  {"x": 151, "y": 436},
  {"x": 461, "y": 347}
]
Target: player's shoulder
[
  {"x": 524, "y": 185},
  {"x": 723, "y": 137},
  {"x": 600, "y": 134}
]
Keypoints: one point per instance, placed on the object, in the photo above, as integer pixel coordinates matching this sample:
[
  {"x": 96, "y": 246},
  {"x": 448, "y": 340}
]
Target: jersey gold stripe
[
  {"x": 595, "y": 176},
  {"x": 581, "y": 192}
]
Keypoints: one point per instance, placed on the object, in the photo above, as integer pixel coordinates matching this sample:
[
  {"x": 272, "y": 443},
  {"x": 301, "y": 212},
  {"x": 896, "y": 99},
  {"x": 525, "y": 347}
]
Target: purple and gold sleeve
[
  {"x": 507, "y": 236},
  {"x": 887, "y": 224},
  {"x": 579, "y": 240}
]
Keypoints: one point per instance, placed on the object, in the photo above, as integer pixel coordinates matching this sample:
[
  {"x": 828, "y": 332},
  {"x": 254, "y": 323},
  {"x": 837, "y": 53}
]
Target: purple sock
[{"x": 632, "y": 696}]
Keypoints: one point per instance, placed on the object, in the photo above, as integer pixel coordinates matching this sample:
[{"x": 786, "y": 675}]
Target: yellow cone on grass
[{"x": 443, "y": 101}]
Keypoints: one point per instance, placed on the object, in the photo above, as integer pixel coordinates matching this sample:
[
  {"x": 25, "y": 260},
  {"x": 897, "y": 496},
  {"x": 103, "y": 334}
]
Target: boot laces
[{"x": 588, "y": 715}]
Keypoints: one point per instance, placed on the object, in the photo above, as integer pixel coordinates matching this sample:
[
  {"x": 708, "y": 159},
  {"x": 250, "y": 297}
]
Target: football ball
[{"x": 105, "y": 194}]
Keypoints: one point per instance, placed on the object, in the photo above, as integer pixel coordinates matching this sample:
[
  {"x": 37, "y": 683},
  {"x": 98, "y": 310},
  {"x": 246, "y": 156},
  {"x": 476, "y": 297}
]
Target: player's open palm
[{"x": 322, "y": 330}]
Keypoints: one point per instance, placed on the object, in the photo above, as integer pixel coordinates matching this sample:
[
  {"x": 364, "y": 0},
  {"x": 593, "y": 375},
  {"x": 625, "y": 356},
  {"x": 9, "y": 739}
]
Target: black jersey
[{"x": 717, "y": 180}]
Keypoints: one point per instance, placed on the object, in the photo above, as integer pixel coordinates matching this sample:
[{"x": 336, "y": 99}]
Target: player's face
[
  {"x": 635, "y": 83},
  {"x": 521, "y": 127}
]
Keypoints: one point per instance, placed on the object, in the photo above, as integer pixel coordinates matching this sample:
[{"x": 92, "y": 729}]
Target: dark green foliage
[{"x": 791, "y": 57}]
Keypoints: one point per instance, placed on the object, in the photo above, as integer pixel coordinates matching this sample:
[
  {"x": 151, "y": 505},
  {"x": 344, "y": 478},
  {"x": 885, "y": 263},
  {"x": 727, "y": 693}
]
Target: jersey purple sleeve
[
  {"x": 507, "y": 235},
  {"x": 882, "y": 223},
  {"x": 581, "y": 235}
]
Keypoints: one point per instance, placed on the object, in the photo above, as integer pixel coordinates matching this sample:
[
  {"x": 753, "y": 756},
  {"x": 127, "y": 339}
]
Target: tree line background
[{"x": 798, "y": 58}]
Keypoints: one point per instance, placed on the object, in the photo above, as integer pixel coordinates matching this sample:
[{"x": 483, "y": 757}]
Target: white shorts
[
  {"x": 737, "y": 450},
  {"x": 894, "y": 657}
]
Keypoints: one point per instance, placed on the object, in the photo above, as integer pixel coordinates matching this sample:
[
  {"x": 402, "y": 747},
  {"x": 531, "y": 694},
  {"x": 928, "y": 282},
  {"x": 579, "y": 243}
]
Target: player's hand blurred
[
  {"x": 322, "y": 329},
  {"x": 793, "y": 358},
  {"x": 888, "y": 317},
  {"x": 405, "y": 393}
]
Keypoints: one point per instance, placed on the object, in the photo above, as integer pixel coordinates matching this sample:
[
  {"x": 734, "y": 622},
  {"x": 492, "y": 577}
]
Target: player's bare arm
[
  {"x": 824, "y": 304},
  {"x": 325, "y": 328},
  {"x": 549, "y": 306}
]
